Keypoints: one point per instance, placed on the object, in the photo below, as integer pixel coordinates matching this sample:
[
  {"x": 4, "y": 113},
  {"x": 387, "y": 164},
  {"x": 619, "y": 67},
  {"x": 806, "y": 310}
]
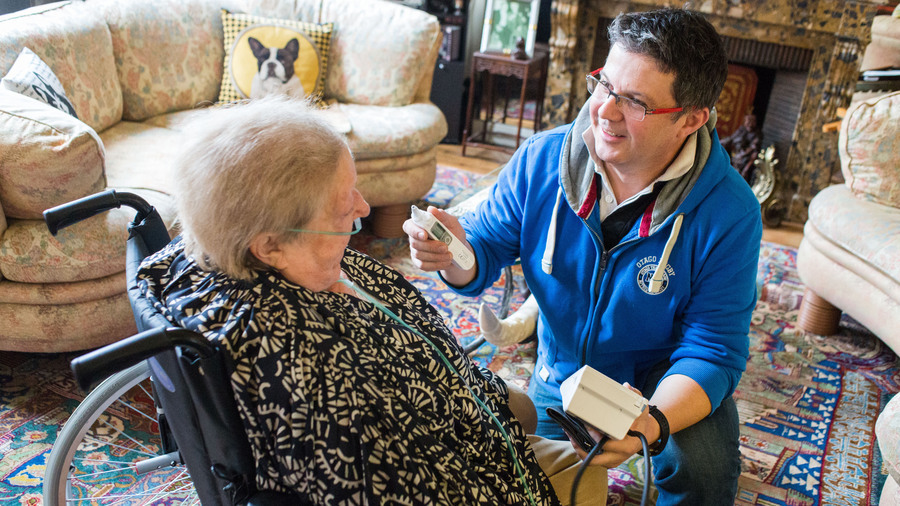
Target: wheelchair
[
  {"x": 194, "y": 449},
  {"x": 162, "y": 425}
]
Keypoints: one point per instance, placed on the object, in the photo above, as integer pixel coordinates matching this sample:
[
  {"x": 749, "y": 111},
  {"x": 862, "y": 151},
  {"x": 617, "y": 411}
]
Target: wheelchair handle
[
  {"x": 70, "y": 213},
  {"x": 103, "y": 362}
]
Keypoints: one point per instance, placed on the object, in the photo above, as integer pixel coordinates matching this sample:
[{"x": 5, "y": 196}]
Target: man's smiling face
[{"x": 629, "y": 146}]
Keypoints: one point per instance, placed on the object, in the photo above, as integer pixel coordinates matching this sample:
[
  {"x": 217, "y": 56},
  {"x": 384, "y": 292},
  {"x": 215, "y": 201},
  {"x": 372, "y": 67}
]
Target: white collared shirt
[{"x": 607, "y": 199}]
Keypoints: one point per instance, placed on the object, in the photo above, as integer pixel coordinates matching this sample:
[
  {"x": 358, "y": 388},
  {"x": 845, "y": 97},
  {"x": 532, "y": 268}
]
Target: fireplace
[{"x": 806, "y": 52}]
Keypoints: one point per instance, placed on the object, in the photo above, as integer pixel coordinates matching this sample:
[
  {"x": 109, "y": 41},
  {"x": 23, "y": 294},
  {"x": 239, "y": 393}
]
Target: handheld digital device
[
  {"x": 436, "y": 230},
  {"x": 600, "y": 401}
]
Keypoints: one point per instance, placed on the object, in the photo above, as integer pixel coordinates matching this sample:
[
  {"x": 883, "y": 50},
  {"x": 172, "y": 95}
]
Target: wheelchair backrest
[{"x": 194, "y": 393}]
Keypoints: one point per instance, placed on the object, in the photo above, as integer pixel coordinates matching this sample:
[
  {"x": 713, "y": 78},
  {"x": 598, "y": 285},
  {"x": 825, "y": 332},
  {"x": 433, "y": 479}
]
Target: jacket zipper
[{"x": 603, "y": 261}]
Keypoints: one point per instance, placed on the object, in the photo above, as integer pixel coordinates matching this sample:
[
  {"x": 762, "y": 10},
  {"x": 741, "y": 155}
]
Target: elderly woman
[{"x": 350, "y": 386}]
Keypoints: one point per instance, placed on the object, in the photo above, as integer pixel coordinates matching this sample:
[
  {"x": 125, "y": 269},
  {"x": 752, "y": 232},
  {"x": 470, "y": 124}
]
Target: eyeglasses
[
  {"x": 357, "y": 226},
  {"x": 629, "y": 106}
]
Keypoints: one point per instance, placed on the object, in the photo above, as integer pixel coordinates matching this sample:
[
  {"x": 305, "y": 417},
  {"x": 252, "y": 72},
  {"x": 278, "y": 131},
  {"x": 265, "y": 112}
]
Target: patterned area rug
[{"x": 807, "y": 403}]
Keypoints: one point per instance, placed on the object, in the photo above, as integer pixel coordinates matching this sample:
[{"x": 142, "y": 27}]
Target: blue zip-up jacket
[{"x": 602, "y": 308}]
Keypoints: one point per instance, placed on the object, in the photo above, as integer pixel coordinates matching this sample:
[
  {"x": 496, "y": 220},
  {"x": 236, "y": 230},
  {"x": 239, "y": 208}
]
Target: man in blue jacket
[{"x": 640, "y": 243}]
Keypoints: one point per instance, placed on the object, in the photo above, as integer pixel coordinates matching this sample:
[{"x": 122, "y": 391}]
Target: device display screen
[{"x": 440, "y": 234}]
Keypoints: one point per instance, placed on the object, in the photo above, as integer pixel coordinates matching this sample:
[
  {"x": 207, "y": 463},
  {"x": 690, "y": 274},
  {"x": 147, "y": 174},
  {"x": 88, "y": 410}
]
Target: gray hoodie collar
[
  {"x": 576, "y": 178},
  {"x": 576, "y": 173}
]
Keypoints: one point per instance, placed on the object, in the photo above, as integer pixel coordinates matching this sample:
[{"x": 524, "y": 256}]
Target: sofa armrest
[
  {"x": 887, "y": 432},
  {"x": 389, "y": 132},
  {"x": 869, "y": 148}
]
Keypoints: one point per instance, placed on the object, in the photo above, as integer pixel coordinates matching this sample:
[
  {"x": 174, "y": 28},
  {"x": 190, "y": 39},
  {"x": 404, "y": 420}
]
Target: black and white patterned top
[{"x": 344, "y": 405}]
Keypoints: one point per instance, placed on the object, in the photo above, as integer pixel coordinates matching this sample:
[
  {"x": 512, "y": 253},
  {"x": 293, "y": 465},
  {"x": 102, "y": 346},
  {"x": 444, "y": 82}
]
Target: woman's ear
[{"x": 267, "y": 249}]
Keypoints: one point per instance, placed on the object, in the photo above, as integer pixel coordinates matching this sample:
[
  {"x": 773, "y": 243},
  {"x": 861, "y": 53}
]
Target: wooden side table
[{"x": 498, "y": 64}]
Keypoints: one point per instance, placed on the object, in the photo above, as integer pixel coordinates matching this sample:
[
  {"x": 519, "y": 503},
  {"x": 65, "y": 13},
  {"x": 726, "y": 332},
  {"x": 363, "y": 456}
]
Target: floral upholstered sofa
[{"x": 133, "y": 72}]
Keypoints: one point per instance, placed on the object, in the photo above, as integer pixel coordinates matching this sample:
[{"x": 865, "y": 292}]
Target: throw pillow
[
  {"x": 273, "y": 56},
  {"x": 31, "y": 77},
  {"x": 869, "y": 148},
  {"x": 47, "y": 157}
]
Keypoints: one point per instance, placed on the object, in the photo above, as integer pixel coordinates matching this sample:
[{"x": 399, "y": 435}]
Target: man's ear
[
  {"x": 267, "y": 249},
  {"x": 695, "y": 118}
]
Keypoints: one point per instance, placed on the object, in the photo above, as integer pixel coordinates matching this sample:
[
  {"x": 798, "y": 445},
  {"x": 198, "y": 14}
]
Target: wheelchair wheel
[{"x": 108, "y": 452}]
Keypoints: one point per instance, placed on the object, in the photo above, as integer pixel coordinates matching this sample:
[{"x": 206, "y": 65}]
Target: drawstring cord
[
  {"x": 547, "y": 260},
  {"x": 656, "y": 282}
]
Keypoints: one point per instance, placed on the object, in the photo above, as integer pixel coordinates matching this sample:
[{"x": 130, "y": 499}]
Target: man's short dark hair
[{"x": 680, "y": 41}]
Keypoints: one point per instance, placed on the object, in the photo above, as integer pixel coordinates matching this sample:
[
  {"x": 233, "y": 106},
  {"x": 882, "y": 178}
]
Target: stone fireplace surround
[{"x": 836, "y": 32}]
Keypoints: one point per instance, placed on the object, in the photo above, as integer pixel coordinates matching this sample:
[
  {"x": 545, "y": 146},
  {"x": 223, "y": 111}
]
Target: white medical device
[
  {"x": 461, "y": 255},
  {"x": 601, "y": 402}
]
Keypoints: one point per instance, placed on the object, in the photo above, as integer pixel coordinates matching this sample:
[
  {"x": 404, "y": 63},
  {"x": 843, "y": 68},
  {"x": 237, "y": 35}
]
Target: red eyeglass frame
[{"x": 648, "y": 111}]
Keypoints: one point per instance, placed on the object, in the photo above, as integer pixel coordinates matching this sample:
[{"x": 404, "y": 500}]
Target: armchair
[{"x": 849, "y": 258}]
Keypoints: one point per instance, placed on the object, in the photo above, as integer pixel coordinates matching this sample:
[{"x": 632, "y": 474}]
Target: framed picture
[{"x": 506, "y": 21}]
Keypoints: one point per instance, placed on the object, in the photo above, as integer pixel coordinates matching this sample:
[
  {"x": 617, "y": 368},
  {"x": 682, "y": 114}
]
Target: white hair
[{"x": 258, "y": 166}]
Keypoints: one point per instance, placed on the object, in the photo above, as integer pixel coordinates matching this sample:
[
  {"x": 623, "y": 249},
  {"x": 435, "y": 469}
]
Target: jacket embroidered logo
[{"x": 647, "y": 270}]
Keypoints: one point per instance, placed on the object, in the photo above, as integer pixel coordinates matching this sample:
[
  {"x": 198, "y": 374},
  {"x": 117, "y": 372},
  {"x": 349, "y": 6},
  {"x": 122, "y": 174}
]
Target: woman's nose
[{"x": 362, "y": 207}]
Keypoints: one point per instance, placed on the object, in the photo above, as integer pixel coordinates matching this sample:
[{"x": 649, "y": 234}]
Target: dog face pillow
[
  {"x": 265, "y": 56},
  {"x": 275, "y": 74}
]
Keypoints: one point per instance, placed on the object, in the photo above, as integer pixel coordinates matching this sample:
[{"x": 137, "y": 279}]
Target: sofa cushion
[
  {"x": 56, "y": 328},
  {"x": 869, "y": 145},
  {"x": 62, "y": 293},
  {"x": 837, "y": 214},
  {"x": 90, "y": 249},
  {"x": 378, "y": 56},
  {"x": 31, "y": 77},
  {"x": 173, "y": 120},
  {"x": 47, "y": 157},
  {"x": 73, "y": 40},
  {"x": 884, "y": 50},
  {"x": 141, "y": 155},
  {"x": 247, "y": 42},
  {"x": 377, "y": 132},
  {"x": 168, "y": 54},
  {"x": 390, "y": 70}
]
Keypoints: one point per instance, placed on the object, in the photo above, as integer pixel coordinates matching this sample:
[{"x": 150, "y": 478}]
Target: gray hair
[
  {"x": 680, "y": 41},
  {"x": 260, "y": 166}
]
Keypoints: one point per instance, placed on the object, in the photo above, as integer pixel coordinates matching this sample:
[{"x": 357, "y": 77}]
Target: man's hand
[
  {"x": 433, "y": 255},
  {"x": 680, "y": 399},
  {"x": 615, "y": 452}
]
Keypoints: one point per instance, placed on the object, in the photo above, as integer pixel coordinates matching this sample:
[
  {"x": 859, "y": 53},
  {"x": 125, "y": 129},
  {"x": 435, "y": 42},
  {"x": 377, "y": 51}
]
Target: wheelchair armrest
[{"x": 100, "y": 363}]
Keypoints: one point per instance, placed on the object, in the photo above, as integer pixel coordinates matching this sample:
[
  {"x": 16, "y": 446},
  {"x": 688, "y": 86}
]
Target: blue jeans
[{"x": 700, "y": 464}]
